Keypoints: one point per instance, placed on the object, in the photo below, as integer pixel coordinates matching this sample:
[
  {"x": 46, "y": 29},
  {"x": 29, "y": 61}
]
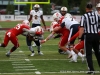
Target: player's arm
[
  {"x": 29, "y": 31},
  {"x": 30, "y": 18},
  {"x": 48, "y": 37},
  {"x": 81, "y": 32},
  {"x": 60, "y": 27},
  {"x": 43, "y": 21}
]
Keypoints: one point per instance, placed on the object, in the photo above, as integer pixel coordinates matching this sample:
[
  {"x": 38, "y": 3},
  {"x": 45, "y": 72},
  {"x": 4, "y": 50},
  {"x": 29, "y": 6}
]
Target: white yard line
[
  {"x": 24, "y": 67},
  {"x": 37, "y": 72}
]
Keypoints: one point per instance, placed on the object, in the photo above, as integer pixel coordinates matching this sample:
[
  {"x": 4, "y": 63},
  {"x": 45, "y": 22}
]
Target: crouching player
[
  {"x": 64, "y": 32},
  {"x": 11, "y": 35},
  {"x": 34, "y": 34}
]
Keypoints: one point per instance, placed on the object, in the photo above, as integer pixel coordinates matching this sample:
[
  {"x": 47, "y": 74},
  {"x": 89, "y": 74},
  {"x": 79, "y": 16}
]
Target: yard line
[
  {"x": 24, "y": 67},
  {"x": 75, "y": 72},
  {"x": 40, "y": 59},
  {"x": 18, "y": 62},
  {"x": 22, "y": 64}
]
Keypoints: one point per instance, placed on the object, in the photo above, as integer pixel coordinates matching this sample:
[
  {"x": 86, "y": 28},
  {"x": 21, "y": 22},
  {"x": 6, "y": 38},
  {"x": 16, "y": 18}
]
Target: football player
[
  {"x": 35, "y": 34},
  {"x": 11, "y": 35},
  {"x": 36, "y": 15},
  {"x": 64, "y": 32}
]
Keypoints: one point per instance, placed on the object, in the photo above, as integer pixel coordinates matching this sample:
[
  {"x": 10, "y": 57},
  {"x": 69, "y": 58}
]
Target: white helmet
[
  {"x": 64, "y": 9},
  {"x": 68, "y": 15},
  {"x": 39, "y": 29},
  {"x": 56, "y": 16},
  {"x": 26, "y": 22},
  {"x": 98, "y": 5},
  {"x": 36, "y": 6},
  {"x": 52, "y": 26}
]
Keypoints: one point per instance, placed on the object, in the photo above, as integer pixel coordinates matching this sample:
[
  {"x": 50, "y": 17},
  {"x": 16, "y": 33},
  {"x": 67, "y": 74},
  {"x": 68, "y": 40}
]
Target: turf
[{"x": 51, "y": 63}]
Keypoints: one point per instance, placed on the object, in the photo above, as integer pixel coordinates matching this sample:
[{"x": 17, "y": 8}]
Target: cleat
[
  {"x": 40, "y": 53},
  {"x": 8, "y": 55},
  {"x": 74, "y": 57},
  {"x": 90, "y": 72},
  {"x": 32, "y": 54},
  {"x": 83, "y": 58}
]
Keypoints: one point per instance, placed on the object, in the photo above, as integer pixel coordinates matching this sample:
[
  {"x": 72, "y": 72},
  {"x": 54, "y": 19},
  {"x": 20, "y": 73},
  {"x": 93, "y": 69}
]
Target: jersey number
[
  {"x": 92, "y": 19},
  {"x": 35, "y": 16},
  {"x": 9, "y": 34},
  {"x": 18, "y": 27}
]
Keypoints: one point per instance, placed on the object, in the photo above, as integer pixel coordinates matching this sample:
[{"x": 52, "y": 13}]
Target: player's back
[{"x": 18, "y": 29}]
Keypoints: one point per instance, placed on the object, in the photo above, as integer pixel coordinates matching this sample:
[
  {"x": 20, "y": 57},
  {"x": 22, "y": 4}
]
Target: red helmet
[{"x": 53, "y": 25}]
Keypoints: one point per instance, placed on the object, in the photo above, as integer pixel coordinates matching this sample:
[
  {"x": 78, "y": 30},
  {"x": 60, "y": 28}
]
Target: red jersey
[{"x": 18, "y": 29}]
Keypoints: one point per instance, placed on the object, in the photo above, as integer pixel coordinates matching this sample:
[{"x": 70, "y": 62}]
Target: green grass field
[{"x": 51, "y": 63}]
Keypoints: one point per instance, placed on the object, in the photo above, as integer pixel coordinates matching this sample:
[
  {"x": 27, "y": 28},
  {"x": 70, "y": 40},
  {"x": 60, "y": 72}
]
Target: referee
[{"x": 89, "y": 26}]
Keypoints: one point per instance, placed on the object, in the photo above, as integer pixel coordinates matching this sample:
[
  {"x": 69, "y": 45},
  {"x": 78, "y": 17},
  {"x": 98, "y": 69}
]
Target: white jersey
[
  {"x": 69, "y": 22},
  {"x": 36, "y": 16}
]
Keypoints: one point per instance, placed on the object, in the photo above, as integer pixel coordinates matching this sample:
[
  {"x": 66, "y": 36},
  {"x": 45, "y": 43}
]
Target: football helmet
[
  {"x": 68, "y": 15},
  {"x": 53, "y": 25},
  {"x": 64, "y": 9},
  {"x": 39, "y": 30},
  {"x": 57, "y": 16},
  {"x": 26, "y": 22},
  {"x": 98, "y": 5},
  {"x": 36, "y": 6}
]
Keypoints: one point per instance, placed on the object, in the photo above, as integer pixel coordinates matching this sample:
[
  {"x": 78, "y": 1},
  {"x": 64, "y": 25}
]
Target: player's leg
[
  {"x": 77, "y": 49},
  {"x": 14, "y": 40},
  {"x": 29, "y": 41},
  {"x": 6, "y": 40},
  {"x": 38, "y": 47}
]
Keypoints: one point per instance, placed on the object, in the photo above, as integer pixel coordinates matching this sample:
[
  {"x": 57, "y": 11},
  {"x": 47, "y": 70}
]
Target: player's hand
[{"x": 43, "y": 41}]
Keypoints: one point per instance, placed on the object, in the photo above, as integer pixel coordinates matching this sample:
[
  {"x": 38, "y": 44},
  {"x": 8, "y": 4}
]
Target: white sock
[
  {"x": 79, "y": 54},
  {"x": 68, "y": 52},
  {"x": 72, "y": 52}
]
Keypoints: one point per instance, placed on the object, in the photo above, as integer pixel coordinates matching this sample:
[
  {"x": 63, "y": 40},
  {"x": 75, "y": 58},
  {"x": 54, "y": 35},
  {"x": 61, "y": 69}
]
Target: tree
[
  {"x": 10, "y": 8},
  {"x": 82, "y": 6},
  {"x": 27, "y": 9}
]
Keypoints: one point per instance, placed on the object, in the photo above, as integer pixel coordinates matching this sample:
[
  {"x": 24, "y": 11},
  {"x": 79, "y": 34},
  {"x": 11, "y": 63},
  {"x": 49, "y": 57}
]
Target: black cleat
[
  {"x": 91, "y": 72},
  {"x": 7, "y": 55}
]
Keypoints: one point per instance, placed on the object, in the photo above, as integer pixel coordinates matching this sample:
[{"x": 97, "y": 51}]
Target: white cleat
[
  {"x": 74, "y": 57},
  {"x": 32, "y": 54},
  {"x": 83, "y": 58},
  {"x": 40, "y": 53}
]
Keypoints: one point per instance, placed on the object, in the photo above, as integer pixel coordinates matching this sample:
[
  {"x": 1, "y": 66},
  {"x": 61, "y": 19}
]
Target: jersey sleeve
[
  {"x": 41, "y": 12},
  {"x": 31, "y": 12}
]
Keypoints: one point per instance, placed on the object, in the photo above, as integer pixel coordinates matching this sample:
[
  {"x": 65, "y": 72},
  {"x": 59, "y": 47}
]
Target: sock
[
  {"x": 38, "y": 48},
  {"x": 72, "y": 52},
  {"x": 79, "y": 54},
  {"x": 8, "y": 52},
  {"x": 68, "y": 52},
  {"x": 31, "y": 49}
]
